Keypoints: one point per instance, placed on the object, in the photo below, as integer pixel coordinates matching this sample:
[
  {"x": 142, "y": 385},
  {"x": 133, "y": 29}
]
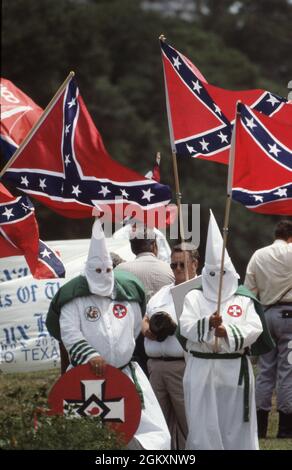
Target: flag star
[
  {"x": 176, "y": 62},
  {"x": 46, "y": 254},
  {"x": 223, "y": 137},
  {"x": 273, "y": 100},
  {"x": 124, "y": 193},
  {"x": 72, "y": 103},
  {"x": 274, "y": 149},
  {"x": 258, "y": 198},
  {"x": 67, "y": 129},
  {"x": 104, "y": 190},
  {"x": 67, "y": 159},
  {"x": 217, "y": 109},
  {"x": 281, "y": 192},
  {"x": 24, "y": 180},
  {"x": 24, "y": 207},
  {"x": 204, "y": 144},
  {"x": 196, "y": 86},
  {"x": 190, "y": 149},
  {"x": 250, "y": 123},
  {"x": 8, "y": 213},
  {"x": 42, "y": 183},
  {"x": 76, "y": 190},
  {"x": 147, "y": 194}
]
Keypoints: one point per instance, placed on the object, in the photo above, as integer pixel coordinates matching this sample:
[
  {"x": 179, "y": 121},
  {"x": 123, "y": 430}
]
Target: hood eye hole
[
  {"x": 98, "y": 270},
  {"x": 108, "y": 270},
  {"x": 212, "y": 273}
]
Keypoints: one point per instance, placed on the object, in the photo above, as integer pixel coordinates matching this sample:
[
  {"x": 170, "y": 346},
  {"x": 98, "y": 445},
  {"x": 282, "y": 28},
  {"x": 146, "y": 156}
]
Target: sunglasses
[{"x": 175, "y": 265}]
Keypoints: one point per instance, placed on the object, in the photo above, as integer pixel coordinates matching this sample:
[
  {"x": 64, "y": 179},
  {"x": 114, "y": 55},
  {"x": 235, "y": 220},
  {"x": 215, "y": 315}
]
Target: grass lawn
[{"x": 17, "y": 390}]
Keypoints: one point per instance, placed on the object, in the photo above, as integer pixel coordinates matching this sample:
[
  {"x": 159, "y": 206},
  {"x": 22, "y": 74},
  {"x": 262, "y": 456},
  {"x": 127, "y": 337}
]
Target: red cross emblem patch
[
  {"x": 234, "y": 311},
  {"x": 119, "y": 311}
]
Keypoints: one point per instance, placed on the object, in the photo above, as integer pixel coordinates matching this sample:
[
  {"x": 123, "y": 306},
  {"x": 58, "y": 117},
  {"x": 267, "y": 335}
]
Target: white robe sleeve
[
  {"x": 244, "y": 334},
  {"x": 137, "y": 318},
  {"x": 193, "y": 326},
  {"x": 79, "y": 350}
]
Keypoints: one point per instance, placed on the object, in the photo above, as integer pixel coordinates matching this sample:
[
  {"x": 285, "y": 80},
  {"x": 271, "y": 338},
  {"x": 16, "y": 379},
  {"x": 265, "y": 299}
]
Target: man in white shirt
[
  {"x": 269, "y": 276},
  {"x": 166, "y": 363}
]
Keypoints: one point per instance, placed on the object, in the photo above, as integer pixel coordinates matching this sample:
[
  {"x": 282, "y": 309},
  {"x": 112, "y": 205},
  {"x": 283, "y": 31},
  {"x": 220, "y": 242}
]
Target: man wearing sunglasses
[{"x": 166, "y": 363}]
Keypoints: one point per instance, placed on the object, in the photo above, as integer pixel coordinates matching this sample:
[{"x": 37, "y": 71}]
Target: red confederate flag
[
  {"x": 19, "y": 235},
  {"x": 66, "y": 166},
  {"x": 262, "y": 175},
  {"x": 18, "y": 114},
  {"x": 201, "y": 115}
]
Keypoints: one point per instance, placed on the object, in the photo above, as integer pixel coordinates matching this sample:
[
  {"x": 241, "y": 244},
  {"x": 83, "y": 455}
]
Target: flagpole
[
  {"x": 175, "y": 169},
  {"x": 34, "y": 129},
  {"x": 226, "y": 217}
]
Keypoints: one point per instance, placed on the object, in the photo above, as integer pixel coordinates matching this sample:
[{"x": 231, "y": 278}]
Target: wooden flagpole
[
  {"x": 226, "y": 217},
  {"x": 34, "y": 129},
  {"x": 175, "y": 170}
]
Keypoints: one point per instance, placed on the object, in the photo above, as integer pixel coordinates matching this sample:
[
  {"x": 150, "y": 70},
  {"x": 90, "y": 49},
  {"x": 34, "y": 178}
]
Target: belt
[
  {"x": 167, "y": 358},
  {"x": 136, "y": 383},
  {"x": 243, "y": 374}
]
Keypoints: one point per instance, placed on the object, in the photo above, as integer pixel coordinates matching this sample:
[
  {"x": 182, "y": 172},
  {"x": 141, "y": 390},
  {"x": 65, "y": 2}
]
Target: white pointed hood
[
  {"x": 99, "y": 267},
  {"x": 211, "y": 270}
]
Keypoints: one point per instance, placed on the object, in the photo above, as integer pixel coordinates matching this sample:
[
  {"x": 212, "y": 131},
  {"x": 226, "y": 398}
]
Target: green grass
[{"x": 23, "y": 391}]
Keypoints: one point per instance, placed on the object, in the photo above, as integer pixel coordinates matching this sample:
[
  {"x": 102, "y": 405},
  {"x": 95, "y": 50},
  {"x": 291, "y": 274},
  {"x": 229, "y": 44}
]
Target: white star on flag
[
  {"x": 147, "y": 194},
  {"x": 176, "y": 62},
  {"x": 24, "y": 180},
  {"x": 273, "y": 100},
  {"x": 42, "y": 184},
  {"x": 124, "y": 193},
  {"x": 190, "y": 149},
  {"x": 250, "y": 123},
  {"x": 217, "y": 109},
  {"x": 223, "y": 137},
  {"x": 281, "y": 192},
  {"x": 76, "y": 190},
  {"x": 196, "y": 86},
  {"x": 72, "y": 103},
  {"x": 258, "y": 198},
  {"x": 274, "y": 149},
  {"x": 46, "y": 254},
  {"x": 204, "y": 144},
  {"x": 67, "y": 159},
  {"x": 67, "y": 129},
  {"x": 104, "y": 190},
  {"x": 8, "y": 213}
]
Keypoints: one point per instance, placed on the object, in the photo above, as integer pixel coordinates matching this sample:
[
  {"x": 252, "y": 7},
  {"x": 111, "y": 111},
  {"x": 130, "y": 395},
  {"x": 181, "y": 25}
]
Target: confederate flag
[
  {"x": 201, "y": 115},
  {"x": 66, "y": 166},
  {"x": 19, "y": 235},
  {"x": 262, "y": 175}
]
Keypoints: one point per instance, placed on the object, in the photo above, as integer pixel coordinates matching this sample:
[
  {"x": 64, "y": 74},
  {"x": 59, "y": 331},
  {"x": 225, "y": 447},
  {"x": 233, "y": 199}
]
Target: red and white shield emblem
[
  {"x": 119, "y": 311},
  {"x": 234, "y": 311},
  {"x": 113, "y": 397}
]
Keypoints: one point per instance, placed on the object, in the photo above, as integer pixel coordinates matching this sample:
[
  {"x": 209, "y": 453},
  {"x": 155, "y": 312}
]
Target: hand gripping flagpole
[
  {"x": 34, "y": 129},
  {"x": 226, "y": 217},
  {"x": 175, "y": 170}
]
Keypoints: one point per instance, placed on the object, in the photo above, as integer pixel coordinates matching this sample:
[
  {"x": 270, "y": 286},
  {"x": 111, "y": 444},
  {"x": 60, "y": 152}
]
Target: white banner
[{"x": 25, "y": 344}]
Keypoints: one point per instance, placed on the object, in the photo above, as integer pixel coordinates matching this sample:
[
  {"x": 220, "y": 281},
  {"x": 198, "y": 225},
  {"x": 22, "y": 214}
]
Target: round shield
[{"x": 112, "y": 396}]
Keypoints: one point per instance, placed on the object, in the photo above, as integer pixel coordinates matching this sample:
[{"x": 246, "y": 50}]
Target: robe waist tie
[
  {"x": 243, "y": 374},
  {"x": 135, "y": 380}
]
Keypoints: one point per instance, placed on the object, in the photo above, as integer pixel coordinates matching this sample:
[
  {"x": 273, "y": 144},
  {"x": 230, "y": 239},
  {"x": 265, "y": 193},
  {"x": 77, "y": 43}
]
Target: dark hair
[
  {"x": 189, "y": 247},
  {"x": 283, "y": 229},
  {"x": 142, "y": 240}
]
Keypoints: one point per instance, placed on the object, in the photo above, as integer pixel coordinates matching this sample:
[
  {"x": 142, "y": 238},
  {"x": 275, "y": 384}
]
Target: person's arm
[
  {"x": 79, "y": 350},
  {"x": 250, "y": 278},
  {"x": 193, "y": 326}
]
